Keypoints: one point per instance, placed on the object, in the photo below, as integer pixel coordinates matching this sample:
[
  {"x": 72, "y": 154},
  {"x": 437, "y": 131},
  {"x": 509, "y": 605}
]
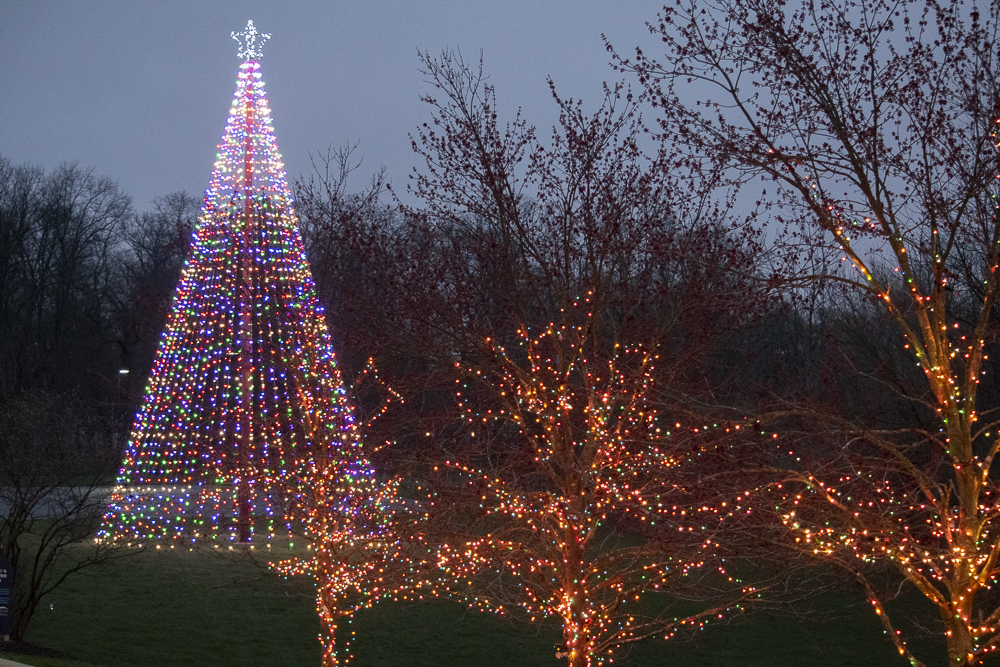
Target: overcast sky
[{"x": 140, "y": 90}]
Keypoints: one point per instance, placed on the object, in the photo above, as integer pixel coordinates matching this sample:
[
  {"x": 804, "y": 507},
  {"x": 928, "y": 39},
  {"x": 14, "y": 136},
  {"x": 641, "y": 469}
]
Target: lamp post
[{"x": 121, "y": 403}]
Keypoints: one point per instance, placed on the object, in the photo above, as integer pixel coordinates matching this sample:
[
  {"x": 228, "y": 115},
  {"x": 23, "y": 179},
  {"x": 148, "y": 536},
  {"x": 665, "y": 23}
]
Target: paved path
[{"x": 11, "y": 663}]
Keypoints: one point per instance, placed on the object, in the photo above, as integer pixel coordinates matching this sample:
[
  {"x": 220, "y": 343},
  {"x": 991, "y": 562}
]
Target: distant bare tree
[
  {"x": 60, "y": 233},
  {"x": 55, "y": 468},
  {"x": 350, "y": 239},
  {"x": 149, "y": 266}
]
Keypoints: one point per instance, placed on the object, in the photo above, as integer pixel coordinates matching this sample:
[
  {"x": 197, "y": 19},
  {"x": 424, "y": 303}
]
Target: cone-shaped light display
[{"x": 221, "y": 443}]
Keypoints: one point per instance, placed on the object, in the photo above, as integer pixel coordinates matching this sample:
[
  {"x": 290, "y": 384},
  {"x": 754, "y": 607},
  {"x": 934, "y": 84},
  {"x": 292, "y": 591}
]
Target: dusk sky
[{"x": 140, "y": 90}]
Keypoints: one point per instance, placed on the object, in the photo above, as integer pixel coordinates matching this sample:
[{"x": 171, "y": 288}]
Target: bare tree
[
  {"x": 55, "y": 464},
  {"x": 351, "y": 240},
  {"x": 869, "y": 127},
  {"x": 60, "y": 232},
  {"x": 575, "y": 290},
  {"x": 146, "y": 274}
]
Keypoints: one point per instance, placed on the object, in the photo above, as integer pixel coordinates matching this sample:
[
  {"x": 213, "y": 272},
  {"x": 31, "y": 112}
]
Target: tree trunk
[
  {"x": 328, "y": 623},
  {"x": 959, "y": 641},
  {"x": 577, "y": 642},
  {"x": 576, "y": 626}
]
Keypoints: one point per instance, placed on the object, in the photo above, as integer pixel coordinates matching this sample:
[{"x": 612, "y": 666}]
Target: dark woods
[
  {"x": 86, "y": 282},
  {"x": 86, "y": 285}
]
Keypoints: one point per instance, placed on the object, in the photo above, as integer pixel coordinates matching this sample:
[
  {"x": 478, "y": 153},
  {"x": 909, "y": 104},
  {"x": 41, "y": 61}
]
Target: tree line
[{"x": 86, "y": 285}]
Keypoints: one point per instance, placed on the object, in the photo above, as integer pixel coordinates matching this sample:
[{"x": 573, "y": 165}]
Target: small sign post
[{"x": 6, "y": 593}]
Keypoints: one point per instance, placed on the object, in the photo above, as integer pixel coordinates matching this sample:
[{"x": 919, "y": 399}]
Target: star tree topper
[{"x": 249, "y": 48}]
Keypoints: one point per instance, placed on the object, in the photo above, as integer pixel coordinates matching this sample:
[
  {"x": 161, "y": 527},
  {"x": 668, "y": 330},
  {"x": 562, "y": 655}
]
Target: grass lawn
[{"x": 167, "y": 609}]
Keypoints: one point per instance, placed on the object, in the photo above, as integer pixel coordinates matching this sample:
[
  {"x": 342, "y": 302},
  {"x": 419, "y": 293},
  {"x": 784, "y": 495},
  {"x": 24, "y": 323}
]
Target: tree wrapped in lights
[
  {"x": 363, "y": 539},
  {"x": 221, "y": 436},
  {"x": 873, "y": 125},
  {"x": 568, "y": 284},
  {"x": 600, "y": 512}
]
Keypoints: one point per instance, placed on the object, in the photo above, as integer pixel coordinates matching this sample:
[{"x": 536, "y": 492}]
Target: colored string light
[
  {"x": 245, "y": 432},
  {"x": 219, "y": 434}
]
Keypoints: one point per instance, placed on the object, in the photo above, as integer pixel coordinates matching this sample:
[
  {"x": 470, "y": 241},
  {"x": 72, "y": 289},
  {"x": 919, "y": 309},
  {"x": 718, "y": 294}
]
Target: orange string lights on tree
[
  {"x": 894, "y": 173},
  {"x": 363, "y": 539},
  {"x": 584, "y": 513}
]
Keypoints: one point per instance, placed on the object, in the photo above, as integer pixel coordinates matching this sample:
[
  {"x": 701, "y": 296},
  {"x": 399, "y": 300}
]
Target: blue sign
[{"x": 6, "y": 592}]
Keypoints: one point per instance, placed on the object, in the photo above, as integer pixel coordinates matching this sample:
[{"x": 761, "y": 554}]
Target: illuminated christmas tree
[{"x": 221, "y": 446}]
